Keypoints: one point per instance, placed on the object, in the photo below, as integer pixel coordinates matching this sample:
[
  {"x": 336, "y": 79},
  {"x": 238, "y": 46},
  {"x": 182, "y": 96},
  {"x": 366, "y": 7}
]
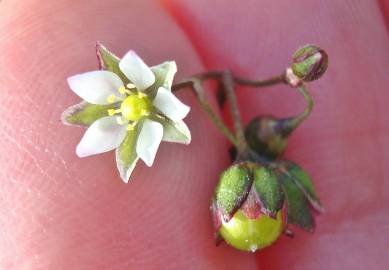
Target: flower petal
[
  {"x": 169, "y": 105},
  {"x": 137, "y": 71},
  {"x": 96, "y": 86},
  {"x": 102, "y": 136},
  {"x": 126, "y": 157},
  {"x": 148, "y": 142}
]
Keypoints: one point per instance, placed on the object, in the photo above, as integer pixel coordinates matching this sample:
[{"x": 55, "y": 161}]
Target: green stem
[
  {"x": 217, "y": 75},
  {"x": 228, "y": 80},
  {"x": 196, "y": 85},
  {"x": 296, "y": 121},
  {"x": 228, "y": 83},
  {"x": 261, "y": 83}
]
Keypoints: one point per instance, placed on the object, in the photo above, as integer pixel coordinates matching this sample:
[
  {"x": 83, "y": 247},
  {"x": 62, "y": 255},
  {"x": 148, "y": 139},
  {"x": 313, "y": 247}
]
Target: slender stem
[
  {"x": 228, "y": 82},
  {"x": 217, "y": 75},
  {"x": 302, "y": 116},
  {"x": 261, "y": 83},
  {"x": 196, "y": 85}
]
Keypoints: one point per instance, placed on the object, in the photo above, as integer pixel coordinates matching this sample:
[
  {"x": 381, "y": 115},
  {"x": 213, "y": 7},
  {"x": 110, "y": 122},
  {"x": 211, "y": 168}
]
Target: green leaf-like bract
[
  {"x": 164, "y": 74},
  {"x": 109, "y": 61},
  {"x": 268, "y": 190},
  {"x": 176, "y": 132},
  {"x": 304, "y": 182},
  {"x": 232, "y": 189},
  {"x": 298, "y": 209},
  {"x": 84, "y": 114}
]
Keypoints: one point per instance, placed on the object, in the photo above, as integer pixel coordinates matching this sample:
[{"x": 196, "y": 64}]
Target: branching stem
[{"x": 228, "y": 81}]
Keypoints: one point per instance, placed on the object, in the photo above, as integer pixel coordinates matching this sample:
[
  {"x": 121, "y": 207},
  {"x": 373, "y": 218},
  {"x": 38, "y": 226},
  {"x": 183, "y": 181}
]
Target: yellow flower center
[{"x": 135, "y": 106}]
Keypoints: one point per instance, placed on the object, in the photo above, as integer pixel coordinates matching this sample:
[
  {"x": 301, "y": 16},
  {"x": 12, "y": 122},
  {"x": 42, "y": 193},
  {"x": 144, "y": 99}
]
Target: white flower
[{"x": 129, "y": 107}]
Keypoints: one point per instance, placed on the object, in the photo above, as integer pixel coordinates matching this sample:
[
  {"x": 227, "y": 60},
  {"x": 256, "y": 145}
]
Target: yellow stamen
[
  {"x": 111, "y": 98},
  {"x": 131, "y": 126},
  {"x": 145, "y": 112},
  {"x": 120, "y": 120},
  {"x": 113, "y": 111},
  {"x": 131, "y": 86},
  {"x": 141, "y": 94},
  {"x": 122, "y": 90}
]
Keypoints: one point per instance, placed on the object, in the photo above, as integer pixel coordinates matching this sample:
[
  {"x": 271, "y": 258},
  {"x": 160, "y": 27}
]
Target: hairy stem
[{"x": 228, "y": 83}]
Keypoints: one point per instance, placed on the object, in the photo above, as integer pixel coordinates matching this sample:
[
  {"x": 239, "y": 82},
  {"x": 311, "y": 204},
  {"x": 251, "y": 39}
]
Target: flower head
[{"x": 129, "y": 107}]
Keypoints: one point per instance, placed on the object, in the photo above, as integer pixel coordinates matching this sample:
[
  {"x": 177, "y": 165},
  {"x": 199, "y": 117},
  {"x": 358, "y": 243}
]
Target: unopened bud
[
  {"x": 267, "y": 135},
  {"x": 309, "y": 63}
]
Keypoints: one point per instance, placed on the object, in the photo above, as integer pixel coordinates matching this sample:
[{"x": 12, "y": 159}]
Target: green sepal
[
  {"x": 84, "y": 113},
  {"x": 268, "y": 189},
  {"x": 232, "y": 190},
  {"x": 126, "y": 156},
  {"x": 109, "y": 61},
  {"x": 164, "y": 74},
  {"x": 304, "y": 182},
  {"x": 297, "y": 205},
  {"x": 309, "y": 62},
  {"x": 176, "y": 132},
  {"x": 300, "y": 69}
]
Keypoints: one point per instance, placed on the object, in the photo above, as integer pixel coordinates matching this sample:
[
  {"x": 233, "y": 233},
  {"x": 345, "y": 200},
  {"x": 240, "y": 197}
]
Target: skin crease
[{"x": 61, "y": 212}]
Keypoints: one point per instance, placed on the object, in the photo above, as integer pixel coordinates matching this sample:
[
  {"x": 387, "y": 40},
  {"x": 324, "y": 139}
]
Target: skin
[{"x": 61, "y": 212}]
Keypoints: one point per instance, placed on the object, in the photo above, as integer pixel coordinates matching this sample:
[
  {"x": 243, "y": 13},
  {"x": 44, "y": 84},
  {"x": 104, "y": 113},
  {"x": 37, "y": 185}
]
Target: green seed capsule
[{"x": 251, "y": 234}]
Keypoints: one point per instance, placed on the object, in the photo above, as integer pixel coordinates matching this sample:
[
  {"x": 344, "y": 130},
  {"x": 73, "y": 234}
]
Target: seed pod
[
  {"x": 267, "y": 135},
  {"x": 309, "y": 63},
  {"x": 249, "y": 198},
  {"x": 246, "y": 207}
]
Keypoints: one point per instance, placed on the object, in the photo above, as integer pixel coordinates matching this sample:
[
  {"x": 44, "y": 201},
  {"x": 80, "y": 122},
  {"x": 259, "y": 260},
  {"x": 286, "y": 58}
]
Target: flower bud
[
  {"x": 309, "y": 63},
  {"x": 267, "y": 135}
]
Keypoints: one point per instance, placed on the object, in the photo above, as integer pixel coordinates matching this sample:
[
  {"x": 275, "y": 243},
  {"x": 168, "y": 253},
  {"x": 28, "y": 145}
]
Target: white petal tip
[
  {"x": 136, "y": 70},
  {"x": 80, "y": 152},
  {"x": 188, "y": 141},
  {"x": 125, "y": 179},
  {"x": 185, "y": 111},
  {"x": 149, "y": 163},
  {"x": 70, "y": 80},
  {"x": 148, "y": 141},
  {"x": 95, "y": 86},
  {"x": 170, "y": 105}
]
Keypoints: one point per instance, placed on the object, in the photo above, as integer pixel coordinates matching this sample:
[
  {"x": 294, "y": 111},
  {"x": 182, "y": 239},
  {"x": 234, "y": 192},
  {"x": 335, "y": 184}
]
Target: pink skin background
[{"x": 61, "y": 212}]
